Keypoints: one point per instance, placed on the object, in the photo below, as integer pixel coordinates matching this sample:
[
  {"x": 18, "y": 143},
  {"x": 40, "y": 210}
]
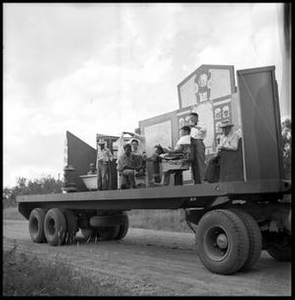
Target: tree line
[{"x": 43, "y": 185}]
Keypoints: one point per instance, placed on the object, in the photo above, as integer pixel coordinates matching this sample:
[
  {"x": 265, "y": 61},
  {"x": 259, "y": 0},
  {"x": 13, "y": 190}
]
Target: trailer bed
[{"x": 174, "y": 197}]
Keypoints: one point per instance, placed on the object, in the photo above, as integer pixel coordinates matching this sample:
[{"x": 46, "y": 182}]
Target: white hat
[
  {"x": 101, "y": 141},
  {"x": 226, "y": 123}
]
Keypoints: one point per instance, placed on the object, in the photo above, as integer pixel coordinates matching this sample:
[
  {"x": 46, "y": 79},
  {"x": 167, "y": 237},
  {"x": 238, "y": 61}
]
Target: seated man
[
  {"x": 92, "y": 169},
  {"x": 126, "y": 168},
  {"x": 229, "y": 141},
  {"x": 175, "y": 160},
  {"x": 139, "y": 164},
  {"x": 139, "y": 158}
]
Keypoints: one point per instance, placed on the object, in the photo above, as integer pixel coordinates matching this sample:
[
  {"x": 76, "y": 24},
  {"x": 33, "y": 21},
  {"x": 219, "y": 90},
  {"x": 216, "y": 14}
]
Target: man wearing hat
[
  {"x": 104, "y": 157},
  {"x": 198, "y": 133},
  {"x": 228, "y": 141}
]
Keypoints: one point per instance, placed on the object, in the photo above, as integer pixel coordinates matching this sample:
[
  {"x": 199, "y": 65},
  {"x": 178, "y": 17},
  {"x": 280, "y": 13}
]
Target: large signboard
[
  {"x": 207, "y": 83},
  {"x": 159, "y": 133},
  {"x": 208, "y": 91}
]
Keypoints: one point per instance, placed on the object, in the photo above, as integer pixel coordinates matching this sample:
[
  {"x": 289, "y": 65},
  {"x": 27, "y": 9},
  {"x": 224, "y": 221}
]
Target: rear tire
[
  {"x": 123, "y": 229},
  {"x": 55, "y": 227},
  {"x": 72, "y": 226},
  {"x": 255, "y": 238},
  {"x": 110, "y": 227},
  {"x": 222, "y": 242},
  {"x": 108, "y": 233},
  {"x": 108, "y": 220},
  {"x": 36, "y": 225}
]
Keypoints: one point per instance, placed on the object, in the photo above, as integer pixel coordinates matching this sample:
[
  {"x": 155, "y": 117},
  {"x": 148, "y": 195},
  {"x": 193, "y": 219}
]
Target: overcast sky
[{"x": 102, "y": 68}]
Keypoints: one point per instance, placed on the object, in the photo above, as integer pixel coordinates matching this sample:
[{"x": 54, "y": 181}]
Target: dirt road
[{"x": 155, "y": 263}]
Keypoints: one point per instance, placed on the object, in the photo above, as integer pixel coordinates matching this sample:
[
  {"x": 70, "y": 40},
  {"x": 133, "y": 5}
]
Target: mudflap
[{"x": 194, "y": 215}]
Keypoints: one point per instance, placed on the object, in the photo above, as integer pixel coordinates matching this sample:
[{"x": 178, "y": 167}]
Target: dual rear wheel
[{"x": 59, "y": 226}]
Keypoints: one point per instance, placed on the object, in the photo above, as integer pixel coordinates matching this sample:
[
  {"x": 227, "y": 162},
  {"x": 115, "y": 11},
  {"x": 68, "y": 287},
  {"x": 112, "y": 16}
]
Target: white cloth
[
  {"x": 198, "y": 131},
  {"x": 119, "y": 143},
  {"x": 141, "y": 142}
]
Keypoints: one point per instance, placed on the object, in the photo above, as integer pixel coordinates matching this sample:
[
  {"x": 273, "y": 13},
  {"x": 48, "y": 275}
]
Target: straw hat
[
  {"x": 101, "y": 141},
  {"x": 226, "y": 123}
]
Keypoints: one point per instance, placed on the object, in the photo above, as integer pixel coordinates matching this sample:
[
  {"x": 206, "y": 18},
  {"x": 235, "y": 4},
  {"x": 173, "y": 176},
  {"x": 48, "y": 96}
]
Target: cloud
[{"x": 101, "y": 68}]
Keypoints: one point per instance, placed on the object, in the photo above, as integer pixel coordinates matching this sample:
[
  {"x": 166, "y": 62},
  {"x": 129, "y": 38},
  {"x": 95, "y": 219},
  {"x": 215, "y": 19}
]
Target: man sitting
[
  {"x": 92, "y": 169},
  {"x": 139, "y": 158},
  {"x": 175, "y": 161},
  {"x": 229, "y": 141},
  {"x": 126, "y": 168}
]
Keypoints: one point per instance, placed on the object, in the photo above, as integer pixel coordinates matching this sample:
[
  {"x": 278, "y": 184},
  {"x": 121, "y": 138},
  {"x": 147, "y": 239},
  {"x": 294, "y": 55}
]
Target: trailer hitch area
[
  {"x": 281, "y": 220},
  {"x": 287, "y": 186}
]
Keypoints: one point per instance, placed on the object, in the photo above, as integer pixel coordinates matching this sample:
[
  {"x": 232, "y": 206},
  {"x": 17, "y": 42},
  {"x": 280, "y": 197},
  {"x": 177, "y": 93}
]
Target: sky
[{"x": 102, "y": 68}]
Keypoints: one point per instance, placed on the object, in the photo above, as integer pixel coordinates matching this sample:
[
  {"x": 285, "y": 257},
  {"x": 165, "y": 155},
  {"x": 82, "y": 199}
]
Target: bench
[{"x": 231, "y": 164}]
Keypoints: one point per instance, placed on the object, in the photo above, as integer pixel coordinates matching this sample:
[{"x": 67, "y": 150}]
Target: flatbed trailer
[
  {"x": 176, "y": 197},
  {"x": 232, "y": 221}
]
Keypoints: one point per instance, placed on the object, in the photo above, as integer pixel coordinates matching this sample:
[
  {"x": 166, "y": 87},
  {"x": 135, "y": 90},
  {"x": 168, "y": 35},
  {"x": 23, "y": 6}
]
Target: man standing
[
  {"x": 104, "y": 157},
  {"x": 198, "y": 133}
]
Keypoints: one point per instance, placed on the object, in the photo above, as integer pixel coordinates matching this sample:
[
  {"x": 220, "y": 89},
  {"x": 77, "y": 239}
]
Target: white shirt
[
  {"x": 183, "y": 140},
  {"x": 200, "y": 132},
  {"x": 230, "y": 141},
  {"x": 104, "y": 155}
]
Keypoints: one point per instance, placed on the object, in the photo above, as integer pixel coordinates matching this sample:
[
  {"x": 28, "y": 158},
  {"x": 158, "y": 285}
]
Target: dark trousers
[
  {"x": 213, "y": 169},
  {"x": 103, "y": 175},
  {"x": 198, "y": 160},
  {"x": 178, "y": 180},
  {"x": 127, "y": 179},
  {"x": 156, "y": 167}
]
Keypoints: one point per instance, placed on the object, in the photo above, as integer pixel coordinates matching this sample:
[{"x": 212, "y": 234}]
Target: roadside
[{"x": 149, "y": 262}]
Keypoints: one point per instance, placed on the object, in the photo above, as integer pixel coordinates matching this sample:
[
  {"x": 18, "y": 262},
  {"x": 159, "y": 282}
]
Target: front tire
[
  {"x": 222, "y": 242},
  {"x": 255, "y": 238}
]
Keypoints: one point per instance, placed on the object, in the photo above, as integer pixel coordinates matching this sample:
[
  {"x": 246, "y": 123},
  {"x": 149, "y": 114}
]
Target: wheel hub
[{"x": 222, "y": 241}]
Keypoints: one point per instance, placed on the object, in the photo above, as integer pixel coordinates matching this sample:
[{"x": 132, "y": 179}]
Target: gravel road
[{"x": 155, "y": 263}]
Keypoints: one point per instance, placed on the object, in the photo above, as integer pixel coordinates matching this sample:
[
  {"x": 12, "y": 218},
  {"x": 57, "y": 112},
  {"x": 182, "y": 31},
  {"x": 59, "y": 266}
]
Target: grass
[
  {"x": 11, "y": 213},
  {"x": 27, "y": 276},
  {"x": 156, "y": 219}
]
